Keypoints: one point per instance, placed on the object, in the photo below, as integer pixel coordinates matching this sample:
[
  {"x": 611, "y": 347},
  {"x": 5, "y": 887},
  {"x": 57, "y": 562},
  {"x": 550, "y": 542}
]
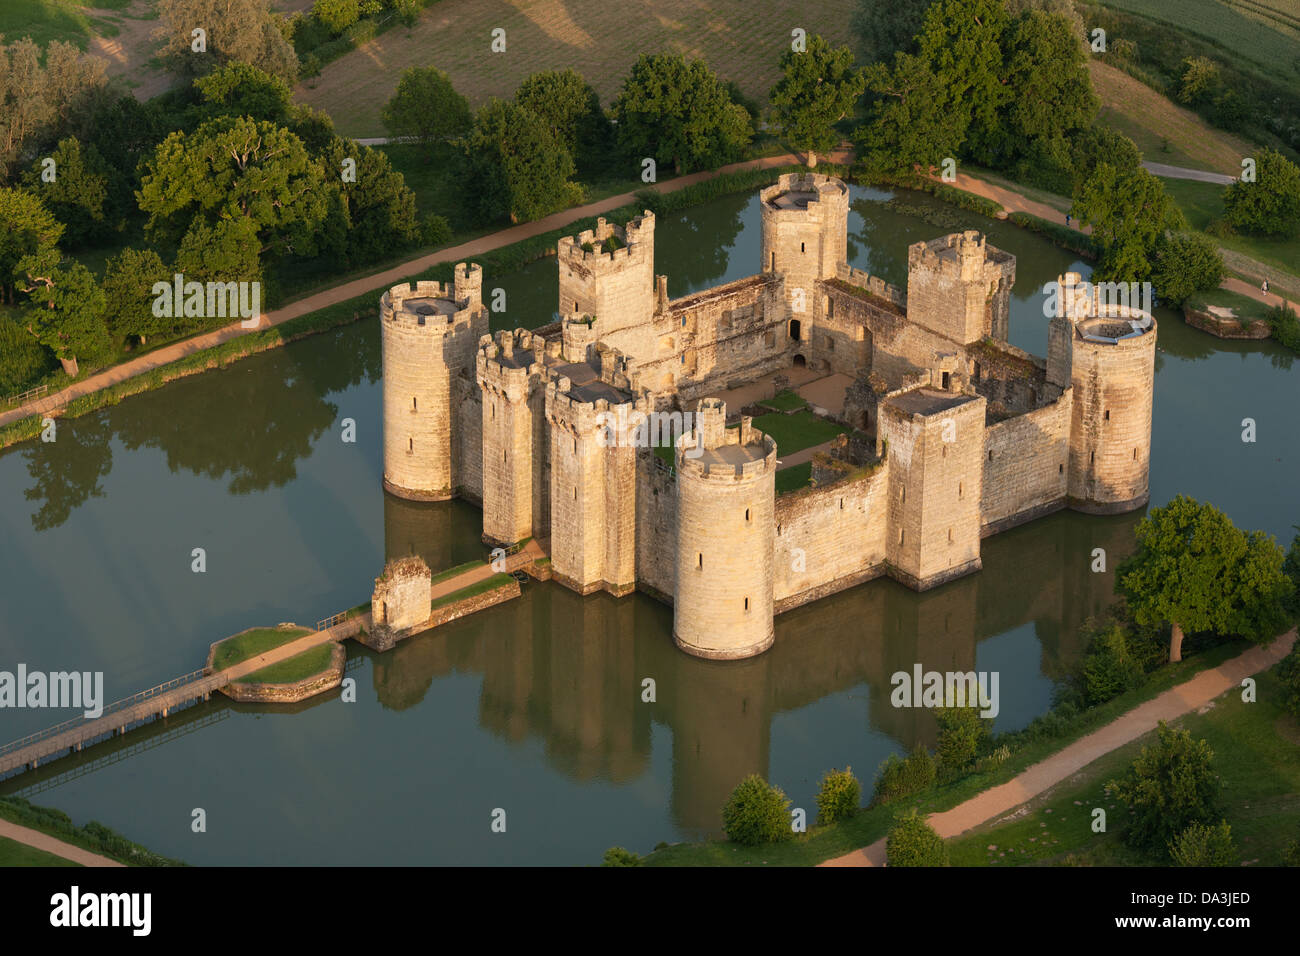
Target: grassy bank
[
  {"x": 1045, "y": 736},
  {"x": 478, "y": 587},
  {"x": 1254, "y": 754},
  {"x": 299, "y": 667},
  {"x": 13, "y": 853},
  {"x": 93, "y": 836}
]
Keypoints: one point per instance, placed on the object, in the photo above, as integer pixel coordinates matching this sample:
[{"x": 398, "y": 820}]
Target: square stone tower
[
  {"x": 511, "y": 372},
  {"x": 960, "y": 287},
  {"x": 608, "y": 272},
  {"x": 934, "y": 448}
]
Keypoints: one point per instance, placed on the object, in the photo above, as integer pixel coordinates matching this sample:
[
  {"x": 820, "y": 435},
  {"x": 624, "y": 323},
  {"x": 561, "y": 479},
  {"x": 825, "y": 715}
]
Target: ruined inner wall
[
  {"x": 1011, "y": 380},
  {"x": 467, "y": 438},
  {"x": 1025, "y": 460},
  {"x": 831, "y": 537}
]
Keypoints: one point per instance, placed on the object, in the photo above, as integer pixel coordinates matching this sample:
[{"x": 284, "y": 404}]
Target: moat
[{"x": 534, "y": 706}]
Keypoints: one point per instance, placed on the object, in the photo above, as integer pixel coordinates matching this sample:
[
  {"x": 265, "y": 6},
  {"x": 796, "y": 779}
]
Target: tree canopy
[
  {"x": 1196, "y": 571},
  {"x": 65, "y": 307},
  {"x": 426, "y": 107},
  {"x": 27, "y": 227},
  {"x": 1271, "y": 204},
  {"x": 571, "y": 108},
  {"x": 1129, "y": 213},
  {"x": 516, "y": 165},
  {"x": 247, "y": 31},
  {"x": 678, "y": 113},
  {"x": 818, "y": 88}
]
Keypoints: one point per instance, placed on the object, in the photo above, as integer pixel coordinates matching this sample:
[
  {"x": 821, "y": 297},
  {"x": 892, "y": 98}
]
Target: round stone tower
[
  {"x": 429, "y": 339},
  {"x": 726, "y": 502},
  {"x": 1112, "y": 371},
  {"x": 805, "y": 233}
]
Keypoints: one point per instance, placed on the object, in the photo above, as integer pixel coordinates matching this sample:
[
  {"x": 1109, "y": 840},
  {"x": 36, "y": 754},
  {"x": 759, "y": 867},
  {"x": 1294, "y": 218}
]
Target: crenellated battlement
[
  {"x": 437, "y": 307},
  {"x": 714, "y": 451},
  {"x": 510, "y": 365},
  {"x": 609, "y": 246},
  {"x": 800, "y": 196}
]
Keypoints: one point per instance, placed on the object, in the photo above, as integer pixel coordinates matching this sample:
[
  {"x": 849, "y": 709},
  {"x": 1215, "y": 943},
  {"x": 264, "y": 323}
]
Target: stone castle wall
[
  {"x": 1025, "y": 466},
  {"x": 616, "y": 285},
  {"x": 656, "y": 524},
  {"x": 830, "y": 538}
]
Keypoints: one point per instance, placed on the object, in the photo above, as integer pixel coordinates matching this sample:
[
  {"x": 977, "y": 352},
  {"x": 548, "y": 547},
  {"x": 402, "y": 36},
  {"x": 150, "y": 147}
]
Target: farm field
[
  {"x": 1266, "y": 32},
  {"x": 1152, "y": 120},
  {"x": 601, "y": 40}
]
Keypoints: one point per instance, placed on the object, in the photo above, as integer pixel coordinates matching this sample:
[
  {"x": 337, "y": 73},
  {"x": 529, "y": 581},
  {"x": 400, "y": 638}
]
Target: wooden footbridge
[{"x": 120, "y": 716}]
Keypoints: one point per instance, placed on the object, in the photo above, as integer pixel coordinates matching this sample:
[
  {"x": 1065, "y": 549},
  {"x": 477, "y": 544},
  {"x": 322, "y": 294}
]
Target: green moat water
[{"x": 534, "y": 706}]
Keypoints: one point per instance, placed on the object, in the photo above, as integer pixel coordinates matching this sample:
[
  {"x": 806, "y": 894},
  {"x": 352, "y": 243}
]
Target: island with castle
[{"x": 955, "y": 434}]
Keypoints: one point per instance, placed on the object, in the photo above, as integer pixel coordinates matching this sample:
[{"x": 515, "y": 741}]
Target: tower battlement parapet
[
  {"x": 800, "y": 196},
  {"x": 609, "y": 245},
  {"x": 510, "y": 365},
  {"x": 715, "y": 451},
  {"x": 438, "y": 307}
]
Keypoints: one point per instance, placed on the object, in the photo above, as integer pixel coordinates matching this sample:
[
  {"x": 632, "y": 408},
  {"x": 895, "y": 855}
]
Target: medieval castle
[{"x": 957, "y": 434}]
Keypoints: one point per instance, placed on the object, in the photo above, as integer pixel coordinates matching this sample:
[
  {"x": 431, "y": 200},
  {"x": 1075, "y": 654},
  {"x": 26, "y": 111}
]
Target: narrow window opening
[
  {"x": 990, "y": 454},
  {"x": 746, "y": 514},
  {"x": 1135, "y": 454},
  {"x": 1107, "y": 415},
  {"x": 959, "y": 489},
  {"x": 701, "y": 560},
  {"x": 415, "y": 404},
  {"x": 841, "y": 504},
  {"x": 801, "y": 247},
  {"x": 1060, "y": 469},
  {"x": 1092, "y": 457},
  {"x": 774, "y": 262},
  {"x": 900, "y": 536},
  {"x": 947, "y": 380},
  {"x": 410, "y": 444},
  {"x": 575, "y": 492},
  {"x": 746, "y": 604},
  {"x": 950, "y": 535}
]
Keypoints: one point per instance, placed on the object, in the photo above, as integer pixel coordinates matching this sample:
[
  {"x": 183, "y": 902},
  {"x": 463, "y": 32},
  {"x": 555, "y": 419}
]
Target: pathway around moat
[
  {"x": 370, "y": 283},
  {"x": 1169, "y": 705},
  {"x": 49, "y": 844}
]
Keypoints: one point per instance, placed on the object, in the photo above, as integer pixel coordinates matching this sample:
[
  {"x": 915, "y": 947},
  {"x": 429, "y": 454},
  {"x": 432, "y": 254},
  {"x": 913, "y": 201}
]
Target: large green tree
[
  {"x": 1271, "y": 204},
  {"x": 27, "y": 227},
  {"x": 247, "y": 31},
  {"x": 908, "y": 121},
  {"x": 372, "y": 212},
  {"x": 426, "y": 107},
  {"x": 129, "y": 278},
  {"x": 241, "y": 89},
  {"x": 1185, "y": 263},
  {"x": 572, "y": 109},
  {"x": 679, "y": 113},
  {"x": 1129, "y": 213},
  {"x": 41, "y": 89},
  {"x": 1194, "y": 570},
  {"x": 75, "y": 188},
  {"x": 1169, "y": 787},
  {"x": 65, "y": 307},
  {"x": 517, "y": 168},
  {"x": 961, "y": 42},
  {"x": 817, "y": 89},
  {"x": 236, "y": 168}
]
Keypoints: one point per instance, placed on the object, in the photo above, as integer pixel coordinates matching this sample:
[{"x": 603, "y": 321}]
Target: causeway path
[
  {"x": 378, "y": 280},
  {"x": 1169, "y": 705}
]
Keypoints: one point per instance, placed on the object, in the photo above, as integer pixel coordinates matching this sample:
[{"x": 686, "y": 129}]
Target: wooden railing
[{"x": 23, "y": 397}]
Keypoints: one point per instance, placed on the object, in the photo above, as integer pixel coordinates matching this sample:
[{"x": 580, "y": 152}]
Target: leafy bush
[
  {"x": 23, "y": 360},
  {"x": 1201, "y": 845},
  {"x": 1284, "y": 325},
  {"x": 336, "y": 15},
  {"x": 617, "y": 856},
  {"x": 1270, "y": 205},
  {"x": 1109, "y": 667},
  {"x": 900, "y": 778},
  {"x": 757, "y": 812},
  {"x": 839, "y": 796},
  {"x": 435, "y": 230},
  {"x": 962, "y": 731},
  {"x": 1169, "y": 787},
  {"x": 913, "y": 842}
]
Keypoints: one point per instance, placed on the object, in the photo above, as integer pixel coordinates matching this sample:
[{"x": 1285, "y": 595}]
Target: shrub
[
  {"x": 899, "y": 778},
  {"x": 1270, "y": 205},
  {"x": 435, "y": 230},
  {"x": 961, "y": 733},
  {"x": 913, "y": 842},
  {"x": 1185, "y": 263},
  {"x": 1201, "y": 845},
  {"x": 336, "y": 15},
  {"x": 1169, "y": 787},
  {"x": 839, "y": 796},
  {"x": 1288, "y": 670},
  {"x": 1284, "y": 325},
  {"x": 1200, "y": 80},
  {"x": 757, "y": 812},
  {"x": 617, "y": 856},
  {"x": 1109, "y": 667}
]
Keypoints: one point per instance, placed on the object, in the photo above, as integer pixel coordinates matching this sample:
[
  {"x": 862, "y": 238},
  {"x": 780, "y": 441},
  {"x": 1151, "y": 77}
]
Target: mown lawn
[
  {"x": 13, "y": 853},
  {"x": 296, "y": 668},
  {"x": 1243, "y": 306},
  {"x": 251, "y": 643},
  {"x": 793, "y": 478},
  {"x": 487, "y": 584},
  {"x": 786, "y": 401},
  {"x": 1256, "y": 753},
  {"x": 796, "y": 432}
]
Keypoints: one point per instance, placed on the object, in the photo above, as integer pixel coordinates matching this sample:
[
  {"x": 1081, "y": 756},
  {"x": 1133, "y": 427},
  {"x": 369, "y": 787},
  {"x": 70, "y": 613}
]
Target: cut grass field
[
  {"x": 741, "y": 41},
  {"x": 786, "y": 401},
  {"x": 1255, "y": 749},
  {"x": 241, "y": 647},
  {"x": 13, "y": 853},
  {"x": 46, "y": 20},
  {"x": 1243, "y": 307},
  {"x": 1153, "y": 121},
  {"x": 1266, "y": 32}
]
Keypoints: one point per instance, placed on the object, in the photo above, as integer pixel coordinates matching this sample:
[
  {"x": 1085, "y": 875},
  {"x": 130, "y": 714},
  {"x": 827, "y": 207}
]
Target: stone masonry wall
[
  {"x": 656, "y": 522},
  {"x": 1025, "y": 466}
]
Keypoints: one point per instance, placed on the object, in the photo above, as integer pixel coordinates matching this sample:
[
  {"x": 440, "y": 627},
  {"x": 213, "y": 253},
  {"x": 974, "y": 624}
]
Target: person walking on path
[{"x": 1265, "y": 287}]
